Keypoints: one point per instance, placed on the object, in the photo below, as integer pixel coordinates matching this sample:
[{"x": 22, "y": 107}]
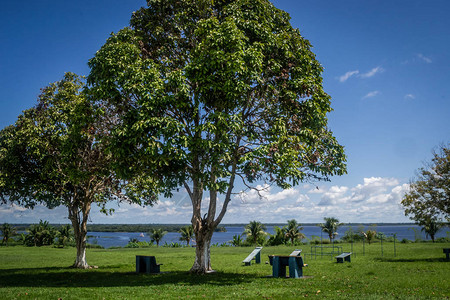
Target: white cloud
[
  {"x": 424, "y": 58},
  {"x": 368, "y": 74},
  {"x": 374, "y": 199},
  {"x": 372, "y": 72},
  {"x": 410, "y": 96},
  {"x": 371, "y": 94},
  {"x": 347, "y": 75}
]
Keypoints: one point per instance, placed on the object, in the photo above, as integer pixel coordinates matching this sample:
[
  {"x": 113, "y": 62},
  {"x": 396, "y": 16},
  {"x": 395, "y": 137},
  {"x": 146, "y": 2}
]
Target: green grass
[{"x": 419, "y": 271}]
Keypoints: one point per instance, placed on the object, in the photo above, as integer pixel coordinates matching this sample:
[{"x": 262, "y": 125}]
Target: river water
[{"x": 121, "y": 239}]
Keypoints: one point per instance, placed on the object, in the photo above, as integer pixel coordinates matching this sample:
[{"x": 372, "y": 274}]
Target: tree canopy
[
  {"x": 52, "y": 156},
  {"x": 208, "y": 92},
  {"x": 428, "y": 198}
]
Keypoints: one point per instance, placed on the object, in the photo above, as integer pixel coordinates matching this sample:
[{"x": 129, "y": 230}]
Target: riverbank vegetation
[{"x": 417, "y": 271}]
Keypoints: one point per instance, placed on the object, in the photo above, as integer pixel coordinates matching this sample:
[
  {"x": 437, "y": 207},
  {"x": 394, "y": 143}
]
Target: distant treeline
[
  {"x": 122, "y": 227},
  {"x": 177, "y": 227}
]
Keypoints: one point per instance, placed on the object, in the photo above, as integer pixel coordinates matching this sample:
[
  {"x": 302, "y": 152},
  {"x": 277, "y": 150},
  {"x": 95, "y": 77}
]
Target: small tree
[
  {"x": 187, "y": 233},
  {"x": 431, "y": 227},
  {"x": 42, "y": 234},
  {"x": 330, "y": 226},
  {"x": 428, "y": 199},
  {"x": 278, "y": 238},
  {"x": 64, "y": 235},
  {"x": 237, "y": 240},
  {"x": 8, "y": 231},
  {"x": 255, "y": 232},
  {"x": 369, "y": 235},
  {"x": 56, "y": 154},
  {"x": 156, "y": 235},
  {"x": 293, "y": 231}
]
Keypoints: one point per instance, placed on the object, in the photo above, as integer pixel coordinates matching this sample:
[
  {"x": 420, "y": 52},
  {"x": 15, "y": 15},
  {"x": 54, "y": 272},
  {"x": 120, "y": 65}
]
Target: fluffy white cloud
[
  {"x": 375, "y": 199},
  {"x": 410, "y": 96}
]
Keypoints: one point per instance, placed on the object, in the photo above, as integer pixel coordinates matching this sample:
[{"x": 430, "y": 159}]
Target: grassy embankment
[{"x": 418, "y": 271}]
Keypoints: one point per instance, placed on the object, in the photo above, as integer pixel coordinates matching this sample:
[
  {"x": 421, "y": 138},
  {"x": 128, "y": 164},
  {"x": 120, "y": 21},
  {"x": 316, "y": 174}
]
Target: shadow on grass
[
  {"x": 64, "y": 277},
  {"x": 411, "y": 260}
]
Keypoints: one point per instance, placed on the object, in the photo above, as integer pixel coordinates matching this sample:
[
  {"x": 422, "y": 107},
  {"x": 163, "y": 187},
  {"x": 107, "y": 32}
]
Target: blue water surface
[{"x": 121, "y": 239}]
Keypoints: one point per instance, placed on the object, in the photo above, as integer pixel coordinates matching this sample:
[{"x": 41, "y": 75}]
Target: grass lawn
[{"x": 418, "y": 271}]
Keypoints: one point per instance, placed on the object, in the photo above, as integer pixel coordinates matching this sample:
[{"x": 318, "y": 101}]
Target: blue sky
[{"x": 387, "y": 68}]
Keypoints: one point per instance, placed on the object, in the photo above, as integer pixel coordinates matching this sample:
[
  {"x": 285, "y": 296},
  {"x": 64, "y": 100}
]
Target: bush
[{"x": 405, "y": 241}]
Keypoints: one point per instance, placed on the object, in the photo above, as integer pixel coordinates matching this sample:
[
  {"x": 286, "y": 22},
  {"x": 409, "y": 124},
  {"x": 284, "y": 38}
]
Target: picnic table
[{"x": 280, "y": 262}]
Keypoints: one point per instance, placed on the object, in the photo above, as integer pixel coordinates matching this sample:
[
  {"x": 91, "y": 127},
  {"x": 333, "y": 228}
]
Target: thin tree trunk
[{"x": 80, "y": 231}]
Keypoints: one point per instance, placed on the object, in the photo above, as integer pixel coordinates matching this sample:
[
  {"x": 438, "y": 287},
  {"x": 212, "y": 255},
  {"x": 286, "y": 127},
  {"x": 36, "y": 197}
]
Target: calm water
[{"x": 113, "y": 239}]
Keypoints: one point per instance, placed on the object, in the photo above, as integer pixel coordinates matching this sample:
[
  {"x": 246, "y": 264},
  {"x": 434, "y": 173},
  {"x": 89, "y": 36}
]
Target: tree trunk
[
  {"x": 80, "y": 232},
  {"x": 202, "y": 263}
]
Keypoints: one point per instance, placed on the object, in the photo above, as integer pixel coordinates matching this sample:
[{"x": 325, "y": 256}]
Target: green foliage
[
  {"x": 41, "y": 234},
  {"x": 237, "y": 240},
  {"x": 255, "y": 232},
  {"x": 351, "y": 236},
  {"x": 7, "y": 232},
  {"x": 278, "y": 238},
  {"x": 431, "y": 227},
  {"x": 369, "y": 235},
  {"x": 330, "y": 226},
  {"x": 293, "y": 231},
  {"x": 187, "y": 233},
  {"x": 428, "y": 198},
  {"x": 211, "y": 91},
  {"x": 64, "y": 236},
  {"x": 156, "y": 235}
]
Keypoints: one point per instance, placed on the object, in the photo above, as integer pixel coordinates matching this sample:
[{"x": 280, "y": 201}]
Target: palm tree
[
  {"x": 293, "y": 231},
  {"x": 369, "y": 235},
  {"x": 237, "y": 240},
  {"x": 187, "y": 232},
  {"x": 40, "y": 234},
  {"x": 278, "y": 238},
  {"x": 65, "y": 235},
  {"x": 431, "y": 227},
  {"x": 156, "y": 235},
  {"x": 255, "y": 231},
  {"x": 331, "y": 225},
  {"x": 7, "y": 231}
]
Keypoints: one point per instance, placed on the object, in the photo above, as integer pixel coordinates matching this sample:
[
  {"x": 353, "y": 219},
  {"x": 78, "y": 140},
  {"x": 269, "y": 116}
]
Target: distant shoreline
[{"x": 176, "y": 227}]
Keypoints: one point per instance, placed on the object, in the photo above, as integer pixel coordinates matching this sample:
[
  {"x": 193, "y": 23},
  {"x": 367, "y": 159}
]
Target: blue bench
[
  {"x": 344, "y": 257},
  {"x": 147, "y": 264},
  {"x": 256, "y": 255},
  {"x": 447, "y": 253},
  {"x": 280, "y": 262}
]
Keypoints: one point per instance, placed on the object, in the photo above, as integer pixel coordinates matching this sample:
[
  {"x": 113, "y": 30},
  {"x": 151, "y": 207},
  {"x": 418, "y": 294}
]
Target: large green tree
[
  {"x": 428, "y": 198},
  {"x": 214, "y": 92},
  {"x": 53, "y": 156}
]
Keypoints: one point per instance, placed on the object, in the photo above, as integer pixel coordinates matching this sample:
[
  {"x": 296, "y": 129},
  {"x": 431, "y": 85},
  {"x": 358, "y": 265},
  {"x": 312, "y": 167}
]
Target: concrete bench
[
  {"x": 256, "y": 255},
  {"x": 296, "y": 252},
  {"x": 344, "y": 257},
  {"x": 447, "y": 253},
  {"x": 147, "y": 264}
]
